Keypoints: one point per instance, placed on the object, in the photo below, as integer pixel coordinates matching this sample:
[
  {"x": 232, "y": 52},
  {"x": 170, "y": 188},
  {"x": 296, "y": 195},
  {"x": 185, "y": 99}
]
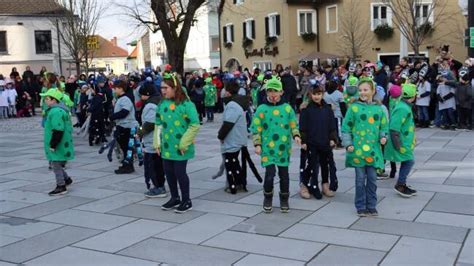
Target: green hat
[
  {"x": 353, "y": 81},
  {"x": 260, "y": 77},
  {"x": 208, "y": 80},
  {"x": 53, "y": 93},
  {"x": 274, "y": 84},
  {"x": 408, "y": 90}
]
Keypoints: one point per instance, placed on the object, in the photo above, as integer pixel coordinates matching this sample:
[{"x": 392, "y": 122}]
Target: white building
[
  {"x": 28, "y": 37},
  {"x": 202, "y": 50}
]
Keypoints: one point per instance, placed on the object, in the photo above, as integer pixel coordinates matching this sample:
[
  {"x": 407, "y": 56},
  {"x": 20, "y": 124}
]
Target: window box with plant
[
  {"x": 383, "y": 32},
  {"x": 228, "y": 45},
  {"x": 246, "y": 42},
  {"x": 308, "y": 36},
  {"x": 270, "y": 40},
  {"x": 425, "y": 29}
]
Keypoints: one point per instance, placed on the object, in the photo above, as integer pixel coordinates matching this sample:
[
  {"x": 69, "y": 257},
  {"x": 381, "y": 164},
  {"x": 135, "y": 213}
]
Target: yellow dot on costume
[
  {"x": 167, "y": 136},
  {"x": 403, "y": 150},
  {"x": 369, "y": 159},
  {"x": 177, "y": 123},
  {"x": 383, "y": 121},
  {"x": 366, "y": 148},
  {"x": 410, "y": 129},
  {"x": 276, "y": 112},
  {"x": 292, "y": 124},
  {"x": 284, "y": 138},
  {"x": 362, "y": 133},
  {"x": 280, "y": 153},
  {"x": 355, "y": 109},
  {"x": 265, "y": 159},
  {"x": 358, "y": 152},
  {"x": 259, "y": 129},
  {"x": 172, "y": 107},
  {"x": 356, "y": 160},
  {"x": 176, "y": 146},
  {"x": 412, "y": 146},
  {"x": 171, "y": 130},
  {"x": 256, "y": 121},
  {"x": 271, "y": 144},
  {"x": 167, "y": 154},
  {"x": 371, "y": 120},
  {"x": 288, "y": 109},
  {"x": 261, "y": 115}
]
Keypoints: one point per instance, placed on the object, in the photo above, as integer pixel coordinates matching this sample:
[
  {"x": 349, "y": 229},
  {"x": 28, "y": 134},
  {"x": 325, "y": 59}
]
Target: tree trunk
[{"x": 78, "y": 68}]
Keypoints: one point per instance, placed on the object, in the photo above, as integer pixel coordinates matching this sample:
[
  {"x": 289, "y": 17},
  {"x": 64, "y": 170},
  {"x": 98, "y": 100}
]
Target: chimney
[{"x": 114, "y": 41}]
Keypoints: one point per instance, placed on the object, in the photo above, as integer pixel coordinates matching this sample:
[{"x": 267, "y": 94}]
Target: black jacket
[
  {"x": 289, "y": 84},
  {"x": 317, "y": 125}
]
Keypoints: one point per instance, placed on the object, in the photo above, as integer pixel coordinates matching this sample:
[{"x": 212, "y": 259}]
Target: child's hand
[
  {"x": 332, "y": 143},
  {"x": 350, "y": 148},
  {"x": 258, "y": 150},
  {"x": 182, "y": 151},
  {"x": 383, "y": 141},
  {"x": 298, "y": 140},
  {"x": 158, "y": 151},
  {"x": 304, "y": 146}
]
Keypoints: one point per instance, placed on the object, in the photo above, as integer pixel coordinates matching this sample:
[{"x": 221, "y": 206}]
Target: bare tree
[
  {"x": 174, "y": 18},
  {"x": 353, "y": 41},
  {"x": 412, "y": 18},
  {"x": 77, "y": 26}
]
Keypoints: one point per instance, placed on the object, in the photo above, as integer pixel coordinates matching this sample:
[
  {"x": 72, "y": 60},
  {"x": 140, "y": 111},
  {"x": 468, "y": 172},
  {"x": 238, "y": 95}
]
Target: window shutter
[
  {"x": 235, "y": 2},
  {"x": 253, "y": 29},
  {"x": 224, "y": 33},
  {"x": 267, "y": 32},
  {"x": 278, "y": 25},
  {"x": 244, "y": 26},
  {"x": 232, "y": 33}
]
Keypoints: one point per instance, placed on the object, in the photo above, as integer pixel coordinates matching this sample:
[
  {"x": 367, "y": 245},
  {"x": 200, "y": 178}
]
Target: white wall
[{"x": 21, "y": 45}]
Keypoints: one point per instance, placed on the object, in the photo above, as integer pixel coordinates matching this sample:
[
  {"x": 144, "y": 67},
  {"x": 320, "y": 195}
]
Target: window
[
  {"x": 3, "y": 42},
  {"x": 381, "y": 14},
  {"x": 215, "y": 44},
  {"x": 306, "y": 21},
  {"x": 249, "y": 29},
  {"x": 43, "y": 42},
  {"x": 423, "y": 13},
  {"x": 107, "y": 67},
  {"x": 125, "y": 66},
  {"x": 228, "y": 33},
  {"x": 92, "y": 65},
  {"x": 265, "y": 65},
  {"x": 331, "y": 19},
  {"x": 272, "y": 25},
  {"x": 238, "y": 2}
]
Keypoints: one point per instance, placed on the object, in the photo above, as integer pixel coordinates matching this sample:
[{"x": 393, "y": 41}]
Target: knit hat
[
  {"x": 353, "y": 81},
  {"x": 395, "y": 91},
  {"x": 351, "y": 90},
  {"x": 408, "y": 90},
  {"x": 148, "y": 89},
  {"x": 168, "y": 67},
  {"x": 101, "y": 79},
  {"x": 274, "y": 84},
  {"x": 260, "y": 77},
  {"x": 208, "y": 80},
  {"x": 53, "y": 93}
]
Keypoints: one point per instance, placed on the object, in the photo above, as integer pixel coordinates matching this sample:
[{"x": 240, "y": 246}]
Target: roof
[
  {"x": 41, "y": 8},
  {"x": 134, "y": 53},
  {"x": 319, "y": 55},
  {"x": 108, "y": 49}
]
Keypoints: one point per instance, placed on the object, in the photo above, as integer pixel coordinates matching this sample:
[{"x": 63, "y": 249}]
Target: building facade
[
  {"x": 28, "y": 37},
  {"x": 107, "y": 56},
  {"x": 264, "y": 33}
]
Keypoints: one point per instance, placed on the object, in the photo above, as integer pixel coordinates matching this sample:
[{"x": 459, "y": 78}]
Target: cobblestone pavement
[{"x": 106, "y": 220}]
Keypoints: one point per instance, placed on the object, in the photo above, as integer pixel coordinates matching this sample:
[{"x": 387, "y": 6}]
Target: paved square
[{"x": 106, "y": 220}]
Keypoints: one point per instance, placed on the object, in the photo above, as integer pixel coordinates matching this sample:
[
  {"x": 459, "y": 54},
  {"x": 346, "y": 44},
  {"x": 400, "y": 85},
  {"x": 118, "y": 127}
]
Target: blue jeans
[
  {"x": 366, "y": 188},
  {"x": 438, "y": 116},
  {"x": 405, "y": 168},
  {"x": 175, "y": 172},
  {"x": 448, "y": 117},
  {"x": 210, "y": 113},
  {"x": 423, "y": 114}
]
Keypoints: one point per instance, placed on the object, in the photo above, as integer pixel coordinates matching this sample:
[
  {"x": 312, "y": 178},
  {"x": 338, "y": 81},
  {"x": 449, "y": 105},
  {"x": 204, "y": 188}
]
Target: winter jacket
[
  {"x": 401, "y": 143},
  {"x": 317, "y": 125},
  {"x": 148, "y": 123},
  {"x": 233, "y": 132},
  {"x": 463, "y": 93},
  {"x": 58, "y": 134}
]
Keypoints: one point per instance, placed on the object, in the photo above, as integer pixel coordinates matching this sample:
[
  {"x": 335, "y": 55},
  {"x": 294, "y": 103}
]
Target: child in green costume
[
  {"x": 401, "y": 143},
  {"x": 176, "y": 126},
  {"x": 273, "y": 126},
  {"x": 58, "y": 142},
  {"x": 364, "y": 130},
  {"x": 210, "y": 98}
]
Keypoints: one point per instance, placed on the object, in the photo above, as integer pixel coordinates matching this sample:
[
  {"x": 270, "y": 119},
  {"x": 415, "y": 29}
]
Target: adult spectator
[
  {"x": 14, "y": 74},
  {"x": 28, "y": 73},
  {"x": 289, "y": 87}
]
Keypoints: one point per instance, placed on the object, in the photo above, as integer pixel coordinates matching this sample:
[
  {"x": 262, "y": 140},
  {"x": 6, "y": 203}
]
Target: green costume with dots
[
  {"x": 363, "y": 127},
  {"x": 57, "y": 118},
  {"x": 401, "y": 121},
  {"x": 179, "y": 125},
  {"x": 210, "y": 95},
  {"x": 273, "y": 127}
]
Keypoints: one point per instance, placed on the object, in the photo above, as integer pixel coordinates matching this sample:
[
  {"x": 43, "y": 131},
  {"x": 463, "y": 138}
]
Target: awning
[{"x": 319, "y": 55}]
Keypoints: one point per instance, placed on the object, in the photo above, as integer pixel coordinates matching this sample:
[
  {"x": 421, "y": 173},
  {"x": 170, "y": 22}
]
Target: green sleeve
[
  {"x": 384, "y": 126},
  {"x": 158, "y": 121},
  {"x": 256, "y": 126},
  {"x": 57, "y": 121},
  {"x": 67, "y": 101},
  {"x": 293, "y": 123},
  {"x": 157, "y": 137},
  {"x": 347, "y": 125},
  {"x": 193, "y": 128},
  {"x": 396, "y": 119}
]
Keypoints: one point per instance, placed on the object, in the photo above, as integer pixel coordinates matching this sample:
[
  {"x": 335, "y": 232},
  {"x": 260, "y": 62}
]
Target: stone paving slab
[
  {"x": 112, "y": 203},
  {"x": 334, "y": 214},
  {"x": 338, "y": 255},
  {"x": 7, "y": 240},
  {"x": 466, "y": 221},
  {"x": 229, "y": 208},
  {"x": 452, "y": 203},
  {"x": 8, "y": 206},
  {"x": 418, "y": 251},
  {"x": 155, "y": 213},
  {"x": 49, "y": 207},
  {"x": 252, "y": 259},
  {"x": 266, "y": 245},
  {"x": 24, "y": 228},
  {"x": 44, "y": 243},
  {"x": 467, "y": 254},
  {"x": 25, "y": 197},
  {"x": 92, "y": 220},
  {"x": 176, "y": 253}
]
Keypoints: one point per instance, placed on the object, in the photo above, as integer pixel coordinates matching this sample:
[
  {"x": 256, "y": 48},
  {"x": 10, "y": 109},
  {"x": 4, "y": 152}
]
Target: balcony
[{"x": 314, "y": 2}]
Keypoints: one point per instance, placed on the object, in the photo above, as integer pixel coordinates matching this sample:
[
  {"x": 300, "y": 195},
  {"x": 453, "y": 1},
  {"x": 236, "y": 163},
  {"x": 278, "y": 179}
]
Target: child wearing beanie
[{"x": 401, "y": 142}]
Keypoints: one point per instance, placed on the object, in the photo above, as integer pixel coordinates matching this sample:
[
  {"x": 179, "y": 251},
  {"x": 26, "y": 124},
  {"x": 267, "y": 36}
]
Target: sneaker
[
  {"x": 326, "y": 191},
  {"x": 403, "y": 190},
  {"x": 373, "y": 212},
  {"x": 184, "y": 207},
  {"x": 362, "y": 213},
  {"x": 316, "y": 192},
  {"x": 157, "y": 192},
  {"x": 68, "y": 181},
  {"x": 412, "y": 191},
  {"x": 59, "y": 190},
  {"x": 171, "y": 204},
  {"x": 381, "y": 175},
  {"x": 125, "y": 169},
  {"x": 304, "y": 193},
  {"x": 267, "y": 202}
]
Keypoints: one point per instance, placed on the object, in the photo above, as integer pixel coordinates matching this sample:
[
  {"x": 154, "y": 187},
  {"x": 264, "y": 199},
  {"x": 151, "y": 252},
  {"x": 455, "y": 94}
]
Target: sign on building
[{"x": 93, "y": 42}]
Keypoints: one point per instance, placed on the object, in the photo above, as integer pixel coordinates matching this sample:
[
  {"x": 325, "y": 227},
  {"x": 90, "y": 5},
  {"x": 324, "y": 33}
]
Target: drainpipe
[
  {"x": 59, "y": 48},
  {"x": 317, "y": 28}
]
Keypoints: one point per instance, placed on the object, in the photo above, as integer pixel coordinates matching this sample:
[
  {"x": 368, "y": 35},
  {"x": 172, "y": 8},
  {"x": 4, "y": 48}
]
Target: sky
[{"x": 114, "y": 23}]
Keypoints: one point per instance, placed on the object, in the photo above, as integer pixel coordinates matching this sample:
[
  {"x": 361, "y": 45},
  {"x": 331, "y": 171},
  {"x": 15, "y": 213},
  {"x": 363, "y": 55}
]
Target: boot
[
  {"x": 267, "y": 201},
  {"x": 125, "y": 169},
  {"x": 326, "y": 191},
  {"x": 284, "y": 206}
]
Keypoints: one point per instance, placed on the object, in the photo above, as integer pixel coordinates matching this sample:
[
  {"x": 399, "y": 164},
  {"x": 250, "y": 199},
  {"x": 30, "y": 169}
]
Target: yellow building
[
  {"x": 108, "y": 56},
  {"x": 263, "y": 33}
]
